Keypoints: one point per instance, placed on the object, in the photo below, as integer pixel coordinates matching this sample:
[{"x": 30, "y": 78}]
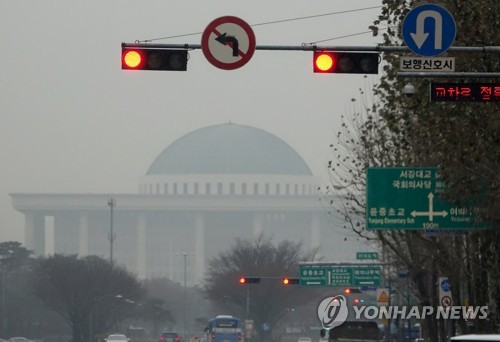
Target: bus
[{"x": 224, "y": 328}]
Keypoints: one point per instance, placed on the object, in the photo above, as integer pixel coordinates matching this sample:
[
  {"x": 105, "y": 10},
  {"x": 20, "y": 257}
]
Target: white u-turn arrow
[{"x": 420, "y": 36}]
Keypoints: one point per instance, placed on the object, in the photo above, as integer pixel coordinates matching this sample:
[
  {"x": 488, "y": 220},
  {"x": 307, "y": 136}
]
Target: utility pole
[
  {"x": 185, "y": 255},
  {"x": 111, "y": 235}
]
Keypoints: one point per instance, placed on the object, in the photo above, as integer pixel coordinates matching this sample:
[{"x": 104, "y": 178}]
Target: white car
[{"x": 117, "y": 338}]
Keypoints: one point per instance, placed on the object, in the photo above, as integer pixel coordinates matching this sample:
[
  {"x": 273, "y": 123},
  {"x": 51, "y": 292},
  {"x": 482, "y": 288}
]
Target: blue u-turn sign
[{"x": 429, "y": 30}]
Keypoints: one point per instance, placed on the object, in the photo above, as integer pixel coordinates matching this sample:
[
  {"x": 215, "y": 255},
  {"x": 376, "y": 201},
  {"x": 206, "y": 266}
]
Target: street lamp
[
  {"x": 403, "y": 275},
  {"x": 111, "y": 236},
  {"x": 185, "y": 255}
]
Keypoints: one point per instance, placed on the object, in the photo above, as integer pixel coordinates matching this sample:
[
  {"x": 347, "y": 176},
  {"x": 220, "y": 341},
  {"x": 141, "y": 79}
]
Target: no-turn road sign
[{"x": 228, "y": 43}]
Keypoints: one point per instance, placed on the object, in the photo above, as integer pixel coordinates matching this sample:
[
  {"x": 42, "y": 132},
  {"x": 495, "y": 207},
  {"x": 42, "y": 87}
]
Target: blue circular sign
[
  {"x": 445, "y": 285},
  {"x": 429, "y": 30}
]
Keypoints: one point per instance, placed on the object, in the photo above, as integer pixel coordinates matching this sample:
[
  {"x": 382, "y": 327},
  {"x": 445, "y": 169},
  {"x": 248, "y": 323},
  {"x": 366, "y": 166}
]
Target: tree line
[{"x": 386, "y": 128}]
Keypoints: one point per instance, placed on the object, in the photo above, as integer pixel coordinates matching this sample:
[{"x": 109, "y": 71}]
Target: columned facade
[{"x": 202, "y": 192}]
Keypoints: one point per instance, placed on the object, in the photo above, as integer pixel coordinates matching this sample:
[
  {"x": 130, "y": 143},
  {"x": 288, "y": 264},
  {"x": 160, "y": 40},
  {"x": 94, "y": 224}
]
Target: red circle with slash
[{"x": 228, "y": 43}]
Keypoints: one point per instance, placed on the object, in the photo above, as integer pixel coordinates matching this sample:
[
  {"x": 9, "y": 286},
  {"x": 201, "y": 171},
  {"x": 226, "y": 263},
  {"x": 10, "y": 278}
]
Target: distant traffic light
[
  {"x": 247, "y": 280},
  {"x": 345, "y": 62},
  {"x": 290, "y": 281},
  {"x": 350, "y": 290},
  {"x": 154, "y": 59}
]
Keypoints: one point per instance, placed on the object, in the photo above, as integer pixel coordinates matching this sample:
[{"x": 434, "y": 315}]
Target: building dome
[{"x": 229, "y": 149}]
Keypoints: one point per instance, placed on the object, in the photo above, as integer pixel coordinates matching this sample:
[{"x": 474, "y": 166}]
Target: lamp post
[
  {"x": 185, "y": 255},
  {"x": 406, "y": 275},
  {"x": 111, "y": 236}
]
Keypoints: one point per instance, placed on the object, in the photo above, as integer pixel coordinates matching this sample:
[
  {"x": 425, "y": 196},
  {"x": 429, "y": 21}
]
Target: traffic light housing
[
  {"x": 345, "y": 62},
  {"x": 249, "y": 280},
  {"x": 154, "y": 59},
  {"x": 290, "y": 281},
  {"x": 350, "y": 290}
]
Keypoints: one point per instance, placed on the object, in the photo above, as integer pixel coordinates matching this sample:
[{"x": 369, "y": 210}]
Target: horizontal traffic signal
[
  {"x": 290, "y": 281},
  {"x": 154, "y": 59},
  {"x": 345, "y": 62},
  {"x": 350, "y": 290},
  {"x": 248, "y": 280}
]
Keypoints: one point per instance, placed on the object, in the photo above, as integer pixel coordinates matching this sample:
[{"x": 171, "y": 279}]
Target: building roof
[{"x": 229, "y": 149}]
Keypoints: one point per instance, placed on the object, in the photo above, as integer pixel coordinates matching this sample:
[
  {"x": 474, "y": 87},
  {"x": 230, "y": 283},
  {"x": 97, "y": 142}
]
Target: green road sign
[
  {"x": 354, "y": 276},
  {"x": 367, "y": 255},
  {"x": 314, "y": 275},
  {"x": 408, "y": 198}
]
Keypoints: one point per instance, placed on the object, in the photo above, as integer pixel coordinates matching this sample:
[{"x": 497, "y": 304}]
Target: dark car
[{"x": 170, "y": 337}]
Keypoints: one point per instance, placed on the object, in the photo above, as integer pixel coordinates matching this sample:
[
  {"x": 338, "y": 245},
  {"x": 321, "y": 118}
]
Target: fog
[{"x": 73, "y": 122}]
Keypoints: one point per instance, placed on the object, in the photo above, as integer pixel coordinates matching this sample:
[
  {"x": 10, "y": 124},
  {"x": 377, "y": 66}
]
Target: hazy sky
[{"x": 71, "y": 121}]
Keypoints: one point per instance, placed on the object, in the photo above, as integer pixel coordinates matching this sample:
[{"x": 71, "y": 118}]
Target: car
[
  {"x": 170, "y": 337},
  {"x": 19, "y": 339},
  {"x": 117, "y": 338},
  {"x": 476, "y": 338}
]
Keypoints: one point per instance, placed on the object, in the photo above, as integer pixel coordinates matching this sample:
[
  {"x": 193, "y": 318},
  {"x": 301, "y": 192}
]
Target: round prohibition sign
[
  {"x": 446, "y": 301},
  {"x": 228, "y": 43}
]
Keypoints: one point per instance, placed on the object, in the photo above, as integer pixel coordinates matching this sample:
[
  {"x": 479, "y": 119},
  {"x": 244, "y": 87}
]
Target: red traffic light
[
  {"x": 345, "y": 62},
  {"x": 352, "y": 290},
  {"x": 247, "y": 280},
  {"x": 154, "y": 59},
  {"x": 323, "y": 62},
  {"x": 290, "y": 281},
  {"x": 132, "y": 59}
]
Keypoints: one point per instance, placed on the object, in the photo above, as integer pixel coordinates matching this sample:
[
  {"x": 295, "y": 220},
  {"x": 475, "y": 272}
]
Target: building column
[
  {"x": 258, "y": 219},
  {"x": 83, "y": 235},
  {"x": 315, "y": 235},
  {"x": 141, "y": 246},
  {"x": 34, "y": 233},
  {"x": 199, "y": 247}
]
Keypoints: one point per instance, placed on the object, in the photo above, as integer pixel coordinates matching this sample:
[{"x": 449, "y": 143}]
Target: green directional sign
[
  {"x": 313, "y": 275},
  {"x": 408, "y": 198},
  {"x": 333, "y": 275},
  {"x": 354, "y": 276},
  {"x": 367, "y": 255}
]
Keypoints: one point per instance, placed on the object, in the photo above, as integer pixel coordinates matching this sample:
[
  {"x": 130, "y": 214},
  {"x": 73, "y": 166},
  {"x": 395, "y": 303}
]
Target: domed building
[{"x": 203, "y": 191}]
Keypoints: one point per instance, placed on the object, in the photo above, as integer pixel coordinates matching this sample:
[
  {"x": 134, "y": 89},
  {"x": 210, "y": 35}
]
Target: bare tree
[
  {"x": 267, "y": 301},
  {"x": 462, "y": 139},
  {"x": 89, "y": 293}
]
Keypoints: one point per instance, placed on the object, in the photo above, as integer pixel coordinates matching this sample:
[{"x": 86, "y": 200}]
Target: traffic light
[
  {"x": 154, "y": 59},
  {"x": 290, "y": 281},
  {"x": 247, "y": 280},
  {"x": 350, "y": 290},
  {"x": 345, "y": 62}
]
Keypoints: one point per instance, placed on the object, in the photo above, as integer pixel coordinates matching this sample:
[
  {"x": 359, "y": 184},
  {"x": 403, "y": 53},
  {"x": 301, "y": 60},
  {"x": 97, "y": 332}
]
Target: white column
[
  {"x": 141, "y": 246},
  {"x": 315, "y": 236},
  {"x": 34, "y": 233},
  {"x": 199, "y": 247},
  {"x": 29, "y": 231},
  {"x": 49, "y": 235},
  {"x": 257, "y": 224},
  {"x": 83, "y": 235}
]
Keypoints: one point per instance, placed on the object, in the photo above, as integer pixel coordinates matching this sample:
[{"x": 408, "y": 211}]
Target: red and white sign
[
  {"x": 446, "y": 301},
  {"x": 228, "y": 43}
]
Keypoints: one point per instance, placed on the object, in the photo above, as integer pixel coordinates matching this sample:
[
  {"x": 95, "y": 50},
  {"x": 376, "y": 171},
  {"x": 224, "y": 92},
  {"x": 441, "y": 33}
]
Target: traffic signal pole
[
  {"x": 308, "y": 47},
  {"x": 326, "y": 48}
]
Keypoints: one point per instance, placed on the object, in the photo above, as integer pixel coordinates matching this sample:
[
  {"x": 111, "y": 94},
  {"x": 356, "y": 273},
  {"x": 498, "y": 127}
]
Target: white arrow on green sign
[{"x": 408, "y": 198}]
